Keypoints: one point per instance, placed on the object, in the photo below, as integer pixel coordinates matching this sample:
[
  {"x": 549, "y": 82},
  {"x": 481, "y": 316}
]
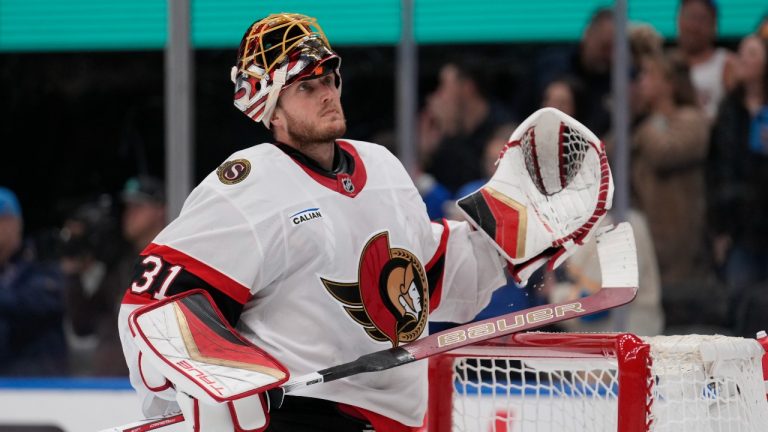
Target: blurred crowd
[
  {"x": 699, "y": 159},
  {"x": 699, "y": 156},
  {"x": 60, "y": 291}
]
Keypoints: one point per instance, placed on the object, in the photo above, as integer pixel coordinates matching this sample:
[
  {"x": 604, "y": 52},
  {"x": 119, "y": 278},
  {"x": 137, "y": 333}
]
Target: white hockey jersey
[{"x": 328, "y": 269}]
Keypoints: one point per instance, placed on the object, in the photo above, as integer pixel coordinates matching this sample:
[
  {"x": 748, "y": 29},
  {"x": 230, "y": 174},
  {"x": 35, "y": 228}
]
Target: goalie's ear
[
  {"x": 551, "y": 188},
  {"x": 187, "y": 340}
]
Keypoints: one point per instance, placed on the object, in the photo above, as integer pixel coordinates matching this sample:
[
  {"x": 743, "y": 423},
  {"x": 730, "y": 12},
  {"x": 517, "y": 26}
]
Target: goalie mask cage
[{"x": 566, "y": 382}]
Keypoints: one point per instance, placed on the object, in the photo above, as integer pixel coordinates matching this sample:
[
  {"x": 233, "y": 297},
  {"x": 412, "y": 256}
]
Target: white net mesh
[
  {"x": 697, "y": 383},
  {"x": 534, "y": 395},
  {"x": 575, "y": 146},
  {"x": 707, "y": 383}
]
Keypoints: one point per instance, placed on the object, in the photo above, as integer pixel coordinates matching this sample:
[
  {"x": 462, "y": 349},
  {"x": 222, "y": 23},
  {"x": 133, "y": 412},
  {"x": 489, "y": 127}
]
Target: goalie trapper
[{"x": 551, "y": 189}]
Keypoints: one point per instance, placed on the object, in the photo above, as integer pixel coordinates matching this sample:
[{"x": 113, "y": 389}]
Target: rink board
[{"x": 67, "y": 405}]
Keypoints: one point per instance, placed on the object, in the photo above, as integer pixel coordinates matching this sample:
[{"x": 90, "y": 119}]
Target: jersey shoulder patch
[
  {"x": 233, "y": 171},
  {"x": 242, "y": 165}
]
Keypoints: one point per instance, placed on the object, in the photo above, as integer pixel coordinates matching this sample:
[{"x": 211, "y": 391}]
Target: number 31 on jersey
[{"x": 154, "y": 267}]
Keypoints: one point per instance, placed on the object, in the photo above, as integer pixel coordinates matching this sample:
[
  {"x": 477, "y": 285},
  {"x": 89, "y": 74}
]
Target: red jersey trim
[
  {"x": 235, "y": 290},
  {"x": 438, "y": 259},
  {"x": 358, "y": 178}
]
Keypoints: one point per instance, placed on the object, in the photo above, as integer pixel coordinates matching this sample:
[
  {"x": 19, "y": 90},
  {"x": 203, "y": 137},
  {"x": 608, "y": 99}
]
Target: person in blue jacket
[{"x": 32, "y": 338}]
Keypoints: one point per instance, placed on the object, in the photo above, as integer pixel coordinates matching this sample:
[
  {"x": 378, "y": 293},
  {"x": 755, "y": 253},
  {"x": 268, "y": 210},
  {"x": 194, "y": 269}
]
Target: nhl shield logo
[{"x": 346, "y": 183}]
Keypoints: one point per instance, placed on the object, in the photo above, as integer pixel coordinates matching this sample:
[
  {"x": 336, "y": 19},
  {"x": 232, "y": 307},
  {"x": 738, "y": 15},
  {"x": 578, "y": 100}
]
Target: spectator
[
  {"x": 464, "y": 116},
  {"x": 697, "y": 32},
  {"x": 31, "y": 303},
  {"x": 566, "y": 94},
  {"x": 669, "y": 148},
  {"x": 491, "y": 153},
  {"x": 590, "y": 63},
  {"x": 738, "y": 168},
  {"x": 644, "y": 40},
  {"x": 144, "y": 216},
  {"x": 93, "y": 309},
  {"x": 762, "y": 28}
]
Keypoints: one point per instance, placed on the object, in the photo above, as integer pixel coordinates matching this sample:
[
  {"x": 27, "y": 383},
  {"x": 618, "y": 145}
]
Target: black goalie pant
[{"x": 303, "y": 414}]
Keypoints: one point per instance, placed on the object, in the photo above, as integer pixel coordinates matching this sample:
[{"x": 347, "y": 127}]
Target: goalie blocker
[{"x": 190, "y": 353}]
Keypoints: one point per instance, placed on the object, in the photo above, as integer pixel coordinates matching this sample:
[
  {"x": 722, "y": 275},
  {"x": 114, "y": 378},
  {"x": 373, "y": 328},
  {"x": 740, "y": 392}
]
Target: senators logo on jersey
[
  {"x": 235, "y": 171},
  {"x": 390, "y": 300}
]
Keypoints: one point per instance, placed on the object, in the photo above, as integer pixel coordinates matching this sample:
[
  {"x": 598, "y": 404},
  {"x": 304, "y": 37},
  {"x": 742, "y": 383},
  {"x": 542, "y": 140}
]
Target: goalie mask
[
  {"x": 551, "y": 188},
  {"x": 274, "y": 53}
]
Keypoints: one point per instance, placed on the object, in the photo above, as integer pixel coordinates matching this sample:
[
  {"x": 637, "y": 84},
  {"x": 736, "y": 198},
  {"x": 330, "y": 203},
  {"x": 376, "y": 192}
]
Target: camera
[{"x": 91, "y": 231}]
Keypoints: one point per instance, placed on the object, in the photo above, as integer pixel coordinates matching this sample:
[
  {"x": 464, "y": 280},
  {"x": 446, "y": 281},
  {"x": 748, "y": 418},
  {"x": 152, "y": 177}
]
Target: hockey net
[{"x": 560, "y": 382}]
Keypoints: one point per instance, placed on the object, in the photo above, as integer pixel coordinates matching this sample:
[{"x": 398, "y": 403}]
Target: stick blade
[{"x": 617, "y": 253}]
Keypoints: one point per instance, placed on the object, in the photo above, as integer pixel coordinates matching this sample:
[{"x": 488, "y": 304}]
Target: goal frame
[{"x": 631, "y": 352}]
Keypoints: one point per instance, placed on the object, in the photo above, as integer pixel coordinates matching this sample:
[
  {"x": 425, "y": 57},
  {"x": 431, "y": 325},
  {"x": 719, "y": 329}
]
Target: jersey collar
[{"x": 348, "y": 176}]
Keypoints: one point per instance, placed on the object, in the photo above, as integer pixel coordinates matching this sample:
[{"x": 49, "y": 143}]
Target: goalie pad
[
  {"x": 248, "y": 414},
  {"x": 189, "y": 352},
  {"x": 551, "y": 188}
]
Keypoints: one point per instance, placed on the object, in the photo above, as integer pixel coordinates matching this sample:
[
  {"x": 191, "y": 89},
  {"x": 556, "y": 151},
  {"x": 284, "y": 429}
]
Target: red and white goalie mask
[
  {"x": 274, "y": 53},
  {"x": 551, "y": 188}
]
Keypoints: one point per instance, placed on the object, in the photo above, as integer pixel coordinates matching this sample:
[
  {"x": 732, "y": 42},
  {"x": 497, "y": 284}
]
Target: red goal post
[{"x": 568, "y": 382}]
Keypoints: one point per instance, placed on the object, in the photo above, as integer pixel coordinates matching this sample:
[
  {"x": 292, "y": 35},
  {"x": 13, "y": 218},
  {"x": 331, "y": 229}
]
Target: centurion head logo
[{"x": 390, "y": 300}]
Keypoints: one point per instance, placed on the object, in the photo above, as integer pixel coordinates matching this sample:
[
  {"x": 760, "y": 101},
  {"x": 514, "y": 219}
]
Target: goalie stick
[{"x": 618, "y": 264}]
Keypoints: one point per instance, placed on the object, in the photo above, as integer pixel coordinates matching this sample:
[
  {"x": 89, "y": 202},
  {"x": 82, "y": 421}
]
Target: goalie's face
[{"x": 309, "y": 112}]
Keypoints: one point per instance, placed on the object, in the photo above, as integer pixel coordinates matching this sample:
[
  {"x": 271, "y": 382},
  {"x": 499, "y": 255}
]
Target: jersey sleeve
[
  {"x": 463, "y": 272},
  {"x": 211, "y": 245}
]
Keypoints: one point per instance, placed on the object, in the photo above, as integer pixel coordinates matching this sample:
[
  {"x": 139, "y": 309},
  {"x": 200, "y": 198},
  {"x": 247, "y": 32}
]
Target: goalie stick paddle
[{"x": 618, "y": 264}]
